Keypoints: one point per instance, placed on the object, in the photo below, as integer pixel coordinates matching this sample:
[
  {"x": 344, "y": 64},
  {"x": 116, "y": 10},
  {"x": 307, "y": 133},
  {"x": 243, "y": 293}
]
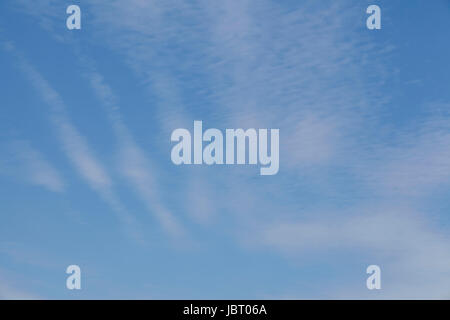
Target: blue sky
[{"x": 86, "y": 176}]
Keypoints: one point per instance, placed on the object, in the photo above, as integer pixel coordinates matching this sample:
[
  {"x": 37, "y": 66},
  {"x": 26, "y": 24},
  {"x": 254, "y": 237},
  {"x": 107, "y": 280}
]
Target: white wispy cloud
[
  {"x": 75, "y": 145},
  {"x": 10, "y": 291},
  {"x": 24, "y": 161},
  {"x": 413, "y": 253},
  {"x": 310, "y": 72},
  {"x": 257, "y": 65},
  {"x": 134, "y": 164},
  {"x": 416, "y": 162}
]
